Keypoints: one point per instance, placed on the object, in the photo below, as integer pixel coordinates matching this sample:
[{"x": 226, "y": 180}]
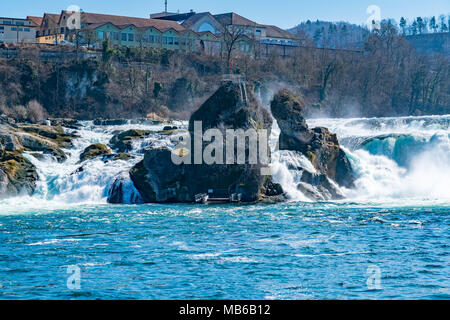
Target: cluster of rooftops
[{"x": 200, "y": 23}]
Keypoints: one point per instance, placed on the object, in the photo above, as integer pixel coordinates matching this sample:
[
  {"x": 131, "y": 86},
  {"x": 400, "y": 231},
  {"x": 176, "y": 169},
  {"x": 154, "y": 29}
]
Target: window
[
  {"x": 131, "y": 37},
  {"x": 26, "y": 29},
  {"x": 124, "y": 37},
  {"x": 37, "y": 34},
  {"x": 19, "y": 23},
  {"x": 2, "y": 28},
  {"x": 170, "y": 40},
  {"x": 156, "y": 39},
  {"x": 175, "y": 40},
  {"x": 101, "y": 35},
  {"x": 13, "y": 29},
  {"x": 7, "y": 22},
  {"x": 115, "y": 36},
  {"x": 152, "y": 39},
  {"x": 62, "y": 30}
]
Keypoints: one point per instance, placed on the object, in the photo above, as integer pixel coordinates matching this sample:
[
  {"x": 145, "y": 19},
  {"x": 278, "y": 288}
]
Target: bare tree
[{"x": 231, "y": 36}]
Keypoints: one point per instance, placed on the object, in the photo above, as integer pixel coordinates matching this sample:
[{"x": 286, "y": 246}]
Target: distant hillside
[
  {"x": 341, "y": 35},
  {"x": 431, "y": 43}
]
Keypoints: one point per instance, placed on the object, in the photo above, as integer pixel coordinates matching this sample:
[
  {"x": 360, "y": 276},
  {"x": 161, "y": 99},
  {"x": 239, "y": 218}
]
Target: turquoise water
[
  {"x": 389, "y": 240},
  {"x": 284, "y": 251}
]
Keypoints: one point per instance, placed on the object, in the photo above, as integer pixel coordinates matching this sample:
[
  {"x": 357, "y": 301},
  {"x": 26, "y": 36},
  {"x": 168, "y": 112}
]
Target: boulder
[
  {"x": 319, "y": 145},
  {"x": 122, "y": 142},
  {"x": 110, "y": 122},
  {"x": 9, "y": 142},
  {"x": 67, "y": 123},
  {"x": 123, "y": 191},
  {"x": 17, "y": 175},
  {"x": 33, "y": 142},
  {"x": 93, "y": 151},
  {"x": 159, "y": 180}
]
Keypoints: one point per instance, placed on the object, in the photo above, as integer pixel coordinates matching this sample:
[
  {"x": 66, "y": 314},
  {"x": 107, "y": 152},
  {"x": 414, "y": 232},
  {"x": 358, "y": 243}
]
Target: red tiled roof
[
  {"x": 95, "y": 18},
  {"x": 232, "y": 18},
  {"x": 36, "y": 20},
  {"x": 53, "y": 16},
  {"x": 275, "y": 32}
]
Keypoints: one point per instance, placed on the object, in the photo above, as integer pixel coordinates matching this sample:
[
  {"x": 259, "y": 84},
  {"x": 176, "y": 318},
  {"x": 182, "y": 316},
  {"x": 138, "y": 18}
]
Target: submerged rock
[
  {"x": 93, "y": 151},
  {"x": 319, "y": 145},
  {"x": 110, "y": 122},
  {"x": 319, "y": 187},
  {"x": 158, "y": 179},
  {"x": 123, "y": 191},
  {"x": 122, "y": 142}
]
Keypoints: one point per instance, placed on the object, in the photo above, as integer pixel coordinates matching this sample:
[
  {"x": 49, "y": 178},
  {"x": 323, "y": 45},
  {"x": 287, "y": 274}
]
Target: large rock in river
[
  {"x": 17, "y": 175},
  {"x": 159, "y": 179},
  {"x": 319, "y": 145}
]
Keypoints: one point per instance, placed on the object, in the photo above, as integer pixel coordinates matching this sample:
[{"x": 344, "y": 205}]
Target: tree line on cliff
[{"x": 388, "y": 78}]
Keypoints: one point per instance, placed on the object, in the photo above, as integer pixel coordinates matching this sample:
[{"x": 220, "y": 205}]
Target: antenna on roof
[{"x": 165, "y": 2}]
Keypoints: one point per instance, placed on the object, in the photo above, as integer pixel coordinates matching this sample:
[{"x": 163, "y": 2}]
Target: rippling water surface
[{"x": 284, "y": 251}]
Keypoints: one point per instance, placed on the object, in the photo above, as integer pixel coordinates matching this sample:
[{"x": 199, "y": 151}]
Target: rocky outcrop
[
  {"x": 319, "y": 145},
  {"x": 158, "y": 179},
  {"x": 319, "y": 187},
  {"x": 93, "y": 151},
  {"x": 17, "y": 175},
  {"x": 122, "y": 142},
  {"x": 33, "y": 142}
]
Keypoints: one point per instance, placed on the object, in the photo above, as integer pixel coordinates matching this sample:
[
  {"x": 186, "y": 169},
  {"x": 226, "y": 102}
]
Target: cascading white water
[
  {"x": 284, "y": 166},
  {"x": 72, "y": 182},
  {"x": 399, "y": 159}
]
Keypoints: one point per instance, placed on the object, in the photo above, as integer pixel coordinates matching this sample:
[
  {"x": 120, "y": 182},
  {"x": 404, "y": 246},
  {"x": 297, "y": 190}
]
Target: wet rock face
[
  {"x": 17, "y": 175},
  {"x": 158, "y": 179},
  {"x": 122, "y": 142},
  {"x": 226, "y": 108},
  {"x": 93, "y": 151},
  {"x": 319, "y": 145},
  {"x": 121, "y": 192}
]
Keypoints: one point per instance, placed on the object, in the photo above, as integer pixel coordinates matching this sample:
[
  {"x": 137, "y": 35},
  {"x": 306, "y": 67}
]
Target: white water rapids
[{"x": 395, "y": 159}]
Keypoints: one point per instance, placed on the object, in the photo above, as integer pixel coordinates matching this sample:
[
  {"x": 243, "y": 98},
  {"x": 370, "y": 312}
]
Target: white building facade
[{"x": 14, "y": 30}]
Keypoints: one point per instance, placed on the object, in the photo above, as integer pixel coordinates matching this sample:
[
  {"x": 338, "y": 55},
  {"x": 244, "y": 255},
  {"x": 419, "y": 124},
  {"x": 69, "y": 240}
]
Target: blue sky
[{"x": 284, "y": 13}]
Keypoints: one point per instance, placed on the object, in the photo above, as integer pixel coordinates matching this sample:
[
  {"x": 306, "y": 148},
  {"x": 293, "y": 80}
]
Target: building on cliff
[
  {"x": 190, "y": 32},
  {"x": 17, "y": 30}
]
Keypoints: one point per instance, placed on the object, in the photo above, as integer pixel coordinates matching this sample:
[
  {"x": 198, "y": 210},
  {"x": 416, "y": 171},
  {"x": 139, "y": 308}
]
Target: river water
[{"x": 389, "y": 239}]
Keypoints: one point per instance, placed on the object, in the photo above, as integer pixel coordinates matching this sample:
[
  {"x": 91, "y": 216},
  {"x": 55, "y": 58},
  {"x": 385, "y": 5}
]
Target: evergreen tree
[
  {"x": 414, "y": 28},
  {"x": 420, "y": 25},
  {"x": 403, "y": 25},
  {"x": 433, "y": 24},
  {"x": 443, "y": 26}
]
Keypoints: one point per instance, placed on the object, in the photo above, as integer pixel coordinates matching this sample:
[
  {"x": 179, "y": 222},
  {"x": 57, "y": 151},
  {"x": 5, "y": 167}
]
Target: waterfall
[{"x": 400, "y": 159}]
